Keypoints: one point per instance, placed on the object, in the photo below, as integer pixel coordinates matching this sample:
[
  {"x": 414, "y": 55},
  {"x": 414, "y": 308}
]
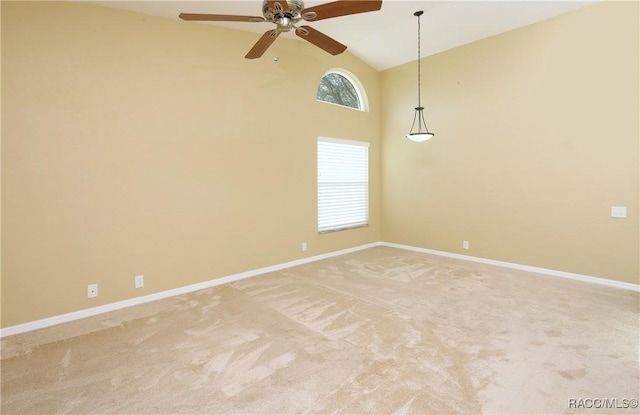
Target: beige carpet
[{"x": 378, "y": 331}]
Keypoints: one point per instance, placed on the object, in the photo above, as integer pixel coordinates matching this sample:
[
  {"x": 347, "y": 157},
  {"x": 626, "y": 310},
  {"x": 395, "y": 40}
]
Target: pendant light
[{"x": 422, "y": 133}]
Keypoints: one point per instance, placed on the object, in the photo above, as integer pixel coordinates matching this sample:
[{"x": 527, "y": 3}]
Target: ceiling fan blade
[
  {"x": 339, "y": 8},
  {"x": 321, "y": 40},
  {"x": 220, "y": 17},
  {"x": 278, "y": 5},
  {"x": 263, "y": 44}
]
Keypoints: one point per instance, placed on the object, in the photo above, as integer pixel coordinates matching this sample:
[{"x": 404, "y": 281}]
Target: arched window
[{"x": 341, "y": 88}]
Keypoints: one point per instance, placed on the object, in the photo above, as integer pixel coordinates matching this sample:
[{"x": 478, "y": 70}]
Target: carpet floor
[{"x": 382, "y": 330}]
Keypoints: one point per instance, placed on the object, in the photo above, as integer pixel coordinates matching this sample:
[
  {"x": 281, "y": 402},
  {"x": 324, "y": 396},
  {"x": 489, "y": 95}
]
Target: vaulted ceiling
[{"x": 388, "y": 37}]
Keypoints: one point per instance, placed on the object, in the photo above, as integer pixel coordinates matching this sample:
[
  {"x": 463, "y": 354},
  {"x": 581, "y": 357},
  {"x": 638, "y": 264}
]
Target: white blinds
[{"x": 343, "y": 184}]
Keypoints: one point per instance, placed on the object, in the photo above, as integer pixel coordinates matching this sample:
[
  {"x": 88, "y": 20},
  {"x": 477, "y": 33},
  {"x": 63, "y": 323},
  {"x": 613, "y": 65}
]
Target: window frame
[{"x": 355, "y": 83}]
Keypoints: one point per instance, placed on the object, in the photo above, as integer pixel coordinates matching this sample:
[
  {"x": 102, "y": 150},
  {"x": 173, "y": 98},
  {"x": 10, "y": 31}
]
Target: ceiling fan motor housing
[{"x": 295, "y": 7}]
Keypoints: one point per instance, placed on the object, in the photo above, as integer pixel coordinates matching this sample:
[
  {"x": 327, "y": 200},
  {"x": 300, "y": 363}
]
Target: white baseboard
[
  {"x": 77, "y": 315},
  {"x": 545, "y": 271}
]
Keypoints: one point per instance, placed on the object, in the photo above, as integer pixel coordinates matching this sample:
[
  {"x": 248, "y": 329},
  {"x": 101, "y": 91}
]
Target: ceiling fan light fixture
[
  {"x": 422, "y": 134},
  {"x": 284, "y": 23}
]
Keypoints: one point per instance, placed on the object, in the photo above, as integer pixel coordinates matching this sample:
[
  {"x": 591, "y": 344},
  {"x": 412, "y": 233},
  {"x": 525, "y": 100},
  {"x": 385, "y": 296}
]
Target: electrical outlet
[
  {"x": 618, "y": 212},
  {"x": 138, "y": 281},
  {"x": 304, "y": 246},
  {"x": 465, "y": 244},
  {"x": 92, "y": 290}
]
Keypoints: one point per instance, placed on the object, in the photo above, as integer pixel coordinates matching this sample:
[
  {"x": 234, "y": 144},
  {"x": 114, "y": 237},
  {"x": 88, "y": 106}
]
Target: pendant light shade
[{"x": 421, "y": 132}]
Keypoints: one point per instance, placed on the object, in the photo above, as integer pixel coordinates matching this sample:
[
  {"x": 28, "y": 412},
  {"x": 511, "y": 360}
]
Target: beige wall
[
  {"x": 537, "y": 135},
  {"x": 141, "y": 145}
]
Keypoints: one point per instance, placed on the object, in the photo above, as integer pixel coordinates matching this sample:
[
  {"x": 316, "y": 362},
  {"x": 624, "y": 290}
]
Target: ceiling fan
[{"x": 286, "y": 15}]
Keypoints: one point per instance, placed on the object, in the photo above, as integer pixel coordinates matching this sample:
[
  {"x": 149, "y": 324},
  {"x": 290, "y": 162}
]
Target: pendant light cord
[{"x": 419, "y": 85}]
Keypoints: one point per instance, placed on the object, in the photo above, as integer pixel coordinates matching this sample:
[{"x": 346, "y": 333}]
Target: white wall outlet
[
  {"x": 304, "y": 246},
  {"x": 618, "y": 212},
  {"x": 465, "y": 244},
  {"x": 92, "y": 290},
  {"x": 138, "y": 281}
]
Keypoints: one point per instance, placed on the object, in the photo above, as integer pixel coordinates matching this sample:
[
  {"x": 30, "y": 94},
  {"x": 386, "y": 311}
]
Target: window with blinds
[{"x": 343, "y": 184}]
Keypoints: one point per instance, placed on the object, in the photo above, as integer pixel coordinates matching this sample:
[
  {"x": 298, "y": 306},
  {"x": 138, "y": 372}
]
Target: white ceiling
[{"x": 388, "y": 37}]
